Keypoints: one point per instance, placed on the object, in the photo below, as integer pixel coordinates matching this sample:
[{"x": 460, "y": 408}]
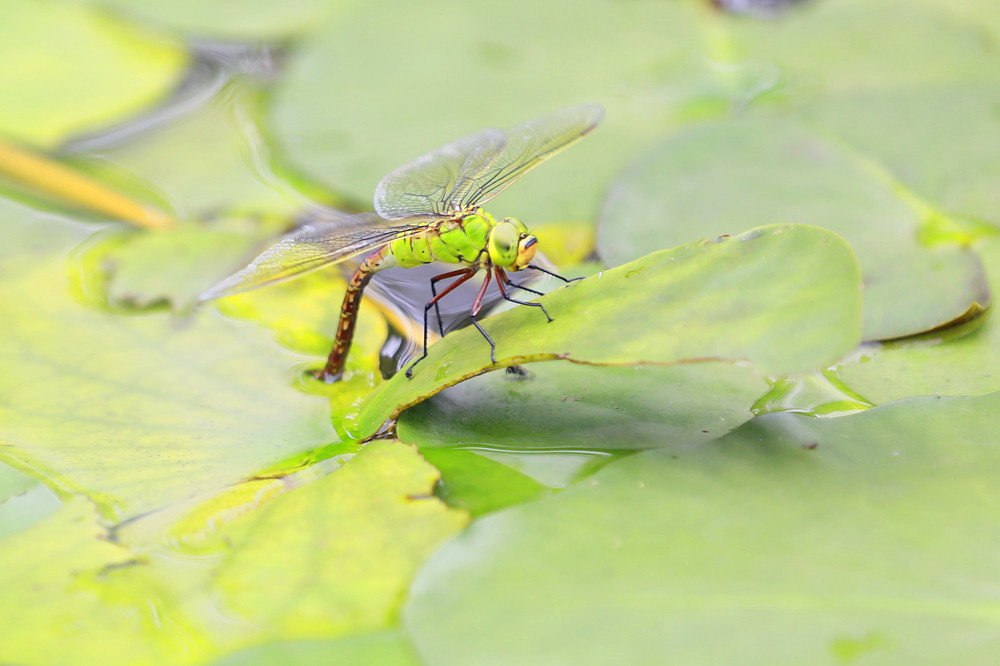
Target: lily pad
[
  {"x": 717, "y": 178},
  {"x": 382, "y": 649},
  {"x": 575, "y": 406},
  {"x": 71, "y": 68},
  {"x": 479, "y": 485},
  {"x": 801, "y": 540},
  {"x": 351, "y": 141},
  {"x": 91, "y": 399},
  {"x": 786, "y": 298},
  {"x": 335, "y": 556},
  {"x": 172, "y": 266},
  {"x": 23, "y": 501},
  {"x": 52, "y": 596},
  {"x": 961, "y": 361},
  {"x": 938, "y": 141},
  {"x": 888, "y": 45},
  {"x": 684, "y": 60},
  {"x": 202, "y": 157},
  {"x": 249, "y": 20},
  {"x": 330, "y": 556}
]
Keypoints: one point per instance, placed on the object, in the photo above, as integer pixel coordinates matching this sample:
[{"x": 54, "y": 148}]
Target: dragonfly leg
[
  {"x": 464, "y": 274},
  {"x": 493, "y": 346},
  {"x": 503, "y": 292},
  {"x": 555, "y": 275},
  {"x": 511, "y": 283},
  {"x": 434, "y": 281},
  {"x": 478, "y": 303}
]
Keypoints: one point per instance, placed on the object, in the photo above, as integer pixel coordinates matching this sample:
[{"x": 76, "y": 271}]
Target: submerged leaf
[{"x": 872, "y": 534}]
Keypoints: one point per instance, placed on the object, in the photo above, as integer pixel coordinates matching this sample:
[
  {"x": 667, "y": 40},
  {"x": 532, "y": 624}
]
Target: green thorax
[{"x": 472, "y": 238}]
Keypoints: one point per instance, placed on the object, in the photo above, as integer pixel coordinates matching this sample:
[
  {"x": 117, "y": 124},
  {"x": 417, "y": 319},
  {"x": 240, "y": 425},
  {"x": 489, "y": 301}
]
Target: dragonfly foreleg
[
  {"x": 501, "y": 278},
  {"x": 464, "y": 274},
  {"x": 555, "y": 275},
  {"x": 510, "y": 283}
]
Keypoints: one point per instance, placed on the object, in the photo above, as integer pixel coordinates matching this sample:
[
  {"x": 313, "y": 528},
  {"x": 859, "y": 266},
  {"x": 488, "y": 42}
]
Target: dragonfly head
[{"x": 511, "y": 247}]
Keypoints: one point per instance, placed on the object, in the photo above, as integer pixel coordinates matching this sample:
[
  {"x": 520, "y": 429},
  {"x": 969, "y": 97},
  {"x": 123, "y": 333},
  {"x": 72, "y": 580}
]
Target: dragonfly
[{"x": 429, "y": 210}]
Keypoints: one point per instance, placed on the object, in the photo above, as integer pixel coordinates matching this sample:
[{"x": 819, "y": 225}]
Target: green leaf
[
  {"x": 807, "y": 46},
  {"x": 718, "y": 178},
  {"x": 574, "y": 406},
  {"x": 786, "y": 298},
  {"x": 963, "y": 360},
  {"x": 137, "y": 412},
  {"x": 208, "y": 161},
  {"x": 380, "y": 649},
  {"x": 351, "y": 141},
  {"x": 479, "y": 485},
  {"x": 54, "y": 609},
  {"x": 938, "y": 141},
  {"x": 248, "y": 20},
  {"x": 801, "y": 540},
  {"x": 173, "y": 266},
  {"x": 334, "y": 557},
  {"x": 23, "y": 501},
  {"x": 684, "y": 60},
  {"x": 71, "y": 69}
]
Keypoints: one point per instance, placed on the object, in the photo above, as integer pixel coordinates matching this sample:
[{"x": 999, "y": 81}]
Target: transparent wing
[
  {"x": 527, "y": 145},
  {"x": 475, "y": 169},
  {"x": 426, "y": 185},
  {"x": 312, "y": 247}
]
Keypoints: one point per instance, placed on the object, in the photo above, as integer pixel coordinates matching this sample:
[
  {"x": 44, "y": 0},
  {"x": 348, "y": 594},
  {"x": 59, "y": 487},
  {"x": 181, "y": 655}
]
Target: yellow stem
[{"x": 52, "y": 178}]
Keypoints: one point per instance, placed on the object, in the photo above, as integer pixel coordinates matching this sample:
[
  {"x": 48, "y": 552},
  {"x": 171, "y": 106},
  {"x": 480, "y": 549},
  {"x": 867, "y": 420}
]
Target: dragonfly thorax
[{"x": 475, "y": 239}]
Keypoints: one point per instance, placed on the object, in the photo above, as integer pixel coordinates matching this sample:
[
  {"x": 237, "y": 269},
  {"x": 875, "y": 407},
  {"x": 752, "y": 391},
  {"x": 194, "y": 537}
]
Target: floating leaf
[
  {"x": 173, "y": 266},
  {"x": 574, "y": 406},
  {"x": 71, "y": 68},
  {"x": 479, "y": 485},
  {"x": 381, "y": 649},
  {"x": 718, "y": 178},
  {"x": 786, "y": 298},
  {"x": 938, "y": 141},
  {"x": 335, "y": 556},
  {"x": 54, "y": 609},
  {"x": 208, "y": 161},
  {"x": 963, "y": 360},
  {"x": 137, "y": 412},
  {"x": 249, "y": 20},
  {"x": 869, "y": 536}
]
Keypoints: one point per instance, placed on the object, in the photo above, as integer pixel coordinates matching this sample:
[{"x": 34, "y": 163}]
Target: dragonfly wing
[
  {"x": 526, "y": 146},
  {"x": 426, "y": 186},
  {"x": 312, "y": 247}
]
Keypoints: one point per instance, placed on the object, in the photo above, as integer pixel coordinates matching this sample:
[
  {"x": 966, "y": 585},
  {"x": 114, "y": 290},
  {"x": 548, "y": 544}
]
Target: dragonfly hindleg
[{"x": 437, "y": 309}]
